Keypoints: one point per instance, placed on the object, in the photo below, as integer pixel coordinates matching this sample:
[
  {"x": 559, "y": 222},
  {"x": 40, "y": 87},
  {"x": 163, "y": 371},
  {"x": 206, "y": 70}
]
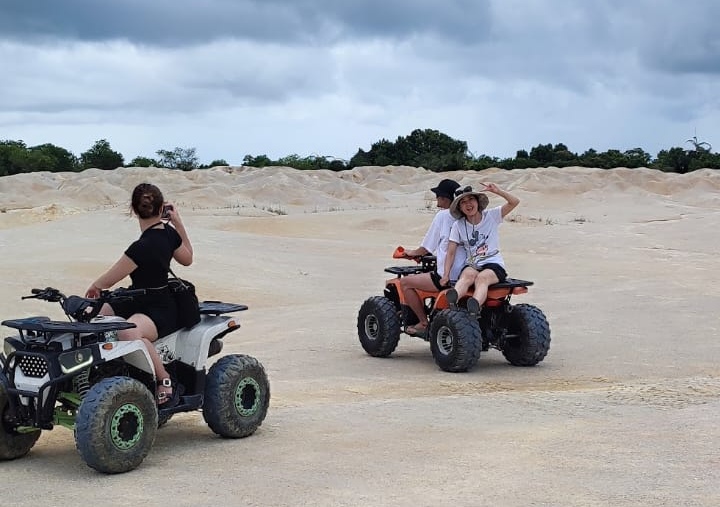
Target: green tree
[
  {"x": 422, "y": 148},
  {"x": 9, "y": 152},
  {"x": 140, "y": 161},
  {"x": 184, "y": 159},
  {"x": 259, "y": 161},
  {"x": 220, "y": 162},
  {"x": 637, "y": 157},
  {"x": 61, "y": 160},
  {"x": 101, "y": 156}
]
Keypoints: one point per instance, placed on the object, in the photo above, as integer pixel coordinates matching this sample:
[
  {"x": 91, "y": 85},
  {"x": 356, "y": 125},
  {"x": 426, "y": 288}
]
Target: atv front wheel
[
  {"x": 13, "y": 444},
  {"x": 378, "y": 326},
  {"x": 527, "y": 340},
  {"x": 237, "y": 395},
  {"x": 455, "y": 340},
  {"x": 116, "y": 425}
]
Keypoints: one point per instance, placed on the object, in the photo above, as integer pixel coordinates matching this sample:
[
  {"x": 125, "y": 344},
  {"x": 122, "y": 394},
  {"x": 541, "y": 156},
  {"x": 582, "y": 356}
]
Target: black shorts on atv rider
[{"x": 152, "y": 254}]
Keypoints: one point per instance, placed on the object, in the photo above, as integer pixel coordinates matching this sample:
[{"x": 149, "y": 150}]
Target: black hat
[{"x": 446, "y": 188}]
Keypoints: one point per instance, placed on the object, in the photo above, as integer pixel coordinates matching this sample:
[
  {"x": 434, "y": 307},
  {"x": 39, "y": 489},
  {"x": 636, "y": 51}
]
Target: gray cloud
[
  {"x": 330, "y": 76},
  {"x": 179, "y": 23}
]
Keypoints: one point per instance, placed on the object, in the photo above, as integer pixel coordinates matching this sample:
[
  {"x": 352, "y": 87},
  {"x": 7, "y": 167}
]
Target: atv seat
[{"x": 218, "y": 307}]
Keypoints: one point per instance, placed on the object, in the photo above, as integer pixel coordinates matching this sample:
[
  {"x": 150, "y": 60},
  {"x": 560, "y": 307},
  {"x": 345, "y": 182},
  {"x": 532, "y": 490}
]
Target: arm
[
  {"x": 449, "y": 260},
  {"x": 122, "y": 268},
  {"x": 418, "y": 252},
  {"x": 184, "y": 253},
  {"x": 512, "y": 201}
]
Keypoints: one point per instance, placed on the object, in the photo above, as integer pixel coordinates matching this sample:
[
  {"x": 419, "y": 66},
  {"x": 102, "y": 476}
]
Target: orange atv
[{"x": 521, "y": 332}]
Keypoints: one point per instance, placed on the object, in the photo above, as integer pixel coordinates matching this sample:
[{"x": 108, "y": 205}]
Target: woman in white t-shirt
[
  {"x": 435, "y": 242},
  {"x": 476, "y": 231}
]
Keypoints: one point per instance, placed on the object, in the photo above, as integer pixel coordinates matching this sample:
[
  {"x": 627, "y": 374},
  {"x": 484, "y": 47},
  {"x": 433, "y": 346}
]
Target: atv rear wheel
[
  {"x": 455, "y": 340},
  {"x": 528, "y": 336},
  {"x": 13, "y": 444},
  {"x": 378, "y": 326},
  {"x": 237, "y": 395},
  {"x": 116, "y": 425}
]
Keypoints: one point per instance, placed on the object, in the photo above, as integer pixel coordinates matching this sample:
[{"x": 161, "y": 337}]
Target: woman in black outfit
[{"x": 146, "y": 261}]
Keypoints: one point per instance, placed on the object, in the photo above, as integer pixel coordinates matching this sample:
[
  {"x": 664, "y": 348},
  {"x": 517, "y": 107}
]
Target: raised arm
[
  {"x": 184, "y": 253},
  {"x": 511, "y": 203}
]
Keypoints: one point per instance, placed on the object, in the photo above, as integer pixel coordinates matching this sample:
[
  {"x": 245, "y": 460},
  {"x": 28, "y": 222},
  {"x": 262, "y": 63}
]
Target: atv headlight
[{"x": 74, "y": 360}]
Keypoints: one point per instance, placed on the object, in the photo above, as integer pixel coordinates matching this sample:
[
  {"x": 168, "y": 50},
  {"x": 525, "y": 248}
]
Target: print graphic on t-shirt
[{"x": 477, "y": 249}]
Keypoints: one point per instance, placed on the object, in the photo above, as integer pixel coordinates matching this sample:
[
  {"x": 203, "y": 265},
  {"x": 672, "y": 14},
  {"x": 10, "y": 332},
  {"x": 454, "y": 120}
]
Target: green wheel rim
[
  {"x": 126, "y": 427},
  {"x": 247, "y": 397}
]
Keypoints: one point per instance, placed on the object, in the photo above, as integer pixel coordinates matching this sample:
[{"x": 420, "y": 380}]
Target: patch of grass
[{"x": 277, "y": 210}]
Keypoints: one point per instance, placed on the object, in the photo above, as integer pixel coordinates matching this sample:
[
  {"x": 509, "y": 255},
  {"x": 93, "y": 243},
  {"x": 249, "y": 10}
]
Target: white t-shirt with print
[
  {"x": 436, "y": 241},
  {"x": 481, "y": 243}
]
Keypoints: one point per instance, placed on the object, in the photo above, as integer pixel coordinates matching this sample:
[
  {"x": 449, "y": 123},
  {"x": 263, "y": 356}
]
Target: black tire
[
  {"x": 237, "y": 396},
  {"x": 527, "y": 341},
  {"x": 378, "y": 326},
  {"x": 13, "y": 444},
  {"x": 116, "y": 425},
  {"x": 455, "y": 340}
]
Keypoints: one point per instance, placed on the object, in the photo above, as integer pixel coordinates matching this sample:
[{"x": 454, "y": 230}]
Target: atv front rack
[{"x": 45, "y": 325}]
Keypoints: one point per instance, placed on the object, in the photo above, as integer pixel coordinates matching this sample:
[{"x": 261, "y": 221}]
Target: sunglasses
[
  {"x": 461, "y": 191},
  {"x": 474, "y": 240}
]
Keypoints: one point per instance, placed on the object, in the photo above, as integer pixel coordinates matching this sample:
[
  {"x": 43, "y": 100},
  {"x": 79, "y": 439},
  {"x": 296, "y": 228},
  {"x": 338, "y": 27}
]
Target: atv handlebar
[{"x": 80, "y": 308}]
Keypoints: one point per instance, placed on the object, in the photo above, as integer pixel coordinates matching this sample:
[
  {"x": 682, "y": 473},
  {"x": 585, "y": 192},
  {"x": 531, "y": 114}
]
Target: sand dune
[{"x": 623, "y": 411}]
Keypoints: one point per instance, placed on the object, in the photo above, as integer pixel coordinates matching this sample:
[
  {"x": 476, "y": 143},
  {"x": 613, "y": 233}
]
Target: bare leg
[
  {"x": 467, "y": 278},
  {"x": 409, "y": 284},
  {"x": 483, "y": 280}
]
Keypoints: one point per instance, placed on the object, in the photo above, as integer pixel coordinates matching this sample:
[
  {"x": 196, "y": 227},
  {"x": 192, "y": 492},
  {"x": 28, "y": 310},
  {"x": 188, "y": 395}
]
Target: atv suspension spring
[{"x": 82, "y": 383}]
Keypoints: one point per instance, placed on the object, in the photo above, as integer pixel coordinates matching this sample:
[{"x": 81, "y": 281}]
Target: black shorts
[
  {"x": 435, "y": 277},
  {"x": 159, "y": 307},
  {"x": 495, "y": 268}
]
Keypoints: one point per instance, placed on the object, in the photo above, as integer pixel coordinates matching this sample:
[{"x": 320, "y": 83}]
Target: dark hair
[{"x": 147, "y": 200}]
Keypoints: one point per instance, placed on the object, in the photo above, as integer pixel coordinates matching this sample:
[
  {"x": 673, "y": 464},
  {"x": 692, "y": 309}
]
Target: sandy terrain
[{"x": 623, "y": 411}]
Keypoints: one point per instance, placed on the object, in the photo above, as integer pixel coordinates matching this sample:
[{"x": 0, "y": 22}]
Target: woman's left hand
[
  {"x": 492, "y": 187},
  {"x": 172, "y": 214}
]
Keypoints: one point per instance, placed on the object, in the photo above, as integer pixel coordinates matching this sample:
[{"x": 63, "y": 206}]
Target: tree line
[{"x": 427, "y": 148}]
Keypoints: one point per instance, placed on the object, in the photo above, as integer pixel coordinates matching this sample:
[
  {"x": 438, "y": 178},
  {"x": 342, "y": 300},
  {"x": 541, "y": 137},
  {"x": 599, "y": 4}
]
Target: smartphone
[{"x": 166, "y": 211}]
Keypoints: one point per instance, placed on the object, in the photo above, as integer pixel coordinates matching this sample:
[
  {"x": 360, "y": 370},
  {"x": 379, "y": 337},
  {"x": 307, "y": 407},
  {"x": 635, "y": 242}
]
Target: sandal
[
  {"x": 417, "y": 330},
  {"x": 167, "y": 399}
]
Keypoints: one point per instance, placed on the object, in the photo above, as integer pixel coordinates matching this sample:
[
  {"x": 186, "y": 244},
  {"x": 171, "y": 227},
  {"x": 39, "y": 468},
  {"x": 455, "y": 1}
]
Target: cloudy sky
[{"x": 327, "y": 77}]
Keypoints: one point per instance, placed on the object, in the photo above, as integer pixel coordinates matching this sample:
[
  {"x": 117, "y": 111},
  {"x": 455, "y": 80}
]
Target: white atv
[{"x": 77, "y": 375}]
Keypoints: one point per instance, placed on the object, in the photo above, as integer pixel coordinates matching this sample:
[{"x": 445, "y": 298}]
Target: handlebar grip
[{"x": 36, "y": 291}]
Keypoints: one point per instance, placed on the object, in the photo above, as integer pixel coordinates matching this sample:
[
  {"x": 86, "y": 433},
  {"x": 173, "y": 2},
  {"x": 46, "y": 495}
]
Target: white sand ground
[{"x": 624, "y": 410}]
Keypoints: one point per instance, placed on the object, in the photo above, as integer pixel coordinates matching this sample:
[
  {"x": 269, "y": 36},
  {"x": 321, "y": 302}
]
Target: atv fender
[
  {"x": 132, "y": 352},
  {"x": 191, "y": 346}
]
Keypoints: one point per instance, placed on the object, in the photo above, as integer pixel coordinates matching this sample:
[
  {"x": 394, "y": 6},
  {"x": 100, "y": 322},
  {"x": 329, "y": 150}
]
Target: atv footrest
[
  {"x": 187, "y": 404},
  {"x": 218, "y": 307}
]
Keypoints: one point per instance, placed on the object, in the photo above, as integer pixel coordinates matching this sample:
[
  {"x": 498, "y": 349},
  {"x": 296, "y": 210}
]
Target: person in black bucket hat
[
  {"x": 435, "y": 242},
  {"x": 446, "y": 188}
]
